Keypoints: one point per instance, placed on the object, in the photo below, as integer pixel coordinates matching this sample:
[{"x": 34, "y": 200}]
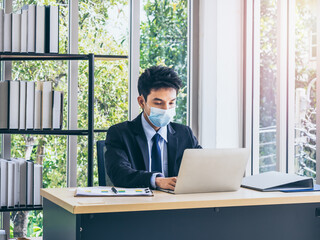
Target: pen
[
  {"x": 114, "y": 190},
  {"x": 148, "y": 190}
]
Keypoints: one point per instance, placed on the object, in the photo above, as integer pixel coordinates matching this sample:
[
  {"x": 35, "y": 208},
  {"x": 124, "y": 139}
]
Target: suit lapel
[
  {"x": 143, "y": 145},
  {"x": 141, "y": 140},
  {"x": 172, "y": 151}
]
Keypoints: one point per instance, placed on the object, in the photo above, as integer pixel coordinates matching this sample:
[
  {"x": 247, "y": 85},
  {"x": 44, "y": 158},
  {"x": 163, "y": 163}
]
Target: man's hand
[{"x": 166, "y": 183}]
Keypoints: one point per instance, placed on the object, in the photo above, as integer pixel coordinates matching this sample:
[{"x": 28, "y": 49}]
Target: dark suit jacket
[{"x": 127, "y": 156}]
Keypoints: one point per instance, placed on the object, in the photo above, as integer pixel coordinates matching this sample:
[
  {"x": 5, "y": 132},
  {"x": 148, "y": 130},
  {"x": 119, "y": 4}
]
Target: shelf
[
  {"x": 7, "y": 56},
  {"x": 45, "y": 132},
  {"x": 51, "y": 132},
  {"x": 101, "y": 130},
  {"x": 110, "y": 57},
  {"x": 31, "y": 238},
  {"x": 21, "y": 208}
]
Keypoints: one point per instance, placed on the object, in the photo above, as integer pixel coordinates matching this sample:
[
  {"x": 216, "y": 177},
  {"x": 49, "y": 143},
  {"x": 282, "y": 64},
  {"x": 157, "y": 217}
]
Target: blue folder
[{"x": 316, "y": 187}]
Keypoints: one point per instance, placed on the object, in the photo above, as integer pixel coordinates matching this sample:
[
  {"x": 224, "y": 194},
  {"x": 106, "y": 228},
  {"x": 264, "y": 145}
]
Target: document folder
[{"x": 276, "y": 181}]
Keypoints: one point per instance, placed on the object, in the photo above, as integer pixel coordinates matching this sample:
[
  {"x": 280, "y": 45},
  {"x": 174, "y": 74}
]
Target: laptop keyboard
[{"x": 166, "y": 190}]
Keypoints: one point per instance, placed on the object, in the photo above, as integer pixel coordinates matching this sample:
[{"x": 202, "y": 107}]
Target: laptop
[{"x": 211, "y": 170}]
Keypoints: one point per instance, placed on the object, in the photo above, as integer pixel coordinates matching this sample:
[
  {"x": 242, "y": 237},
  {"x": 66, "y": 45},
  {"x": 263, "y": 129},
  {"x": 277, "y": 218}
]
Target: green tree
[{"x": 164, "y": 40}]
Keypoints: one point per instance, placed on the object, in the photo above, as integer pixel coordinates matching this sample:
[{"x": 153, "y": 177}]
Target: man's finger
[{"x": 172, "y": 184}]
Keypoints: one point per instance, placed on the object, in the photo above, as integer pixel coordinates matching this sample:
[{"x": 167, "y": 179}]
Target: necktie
[{"x": 156, "y": 165}]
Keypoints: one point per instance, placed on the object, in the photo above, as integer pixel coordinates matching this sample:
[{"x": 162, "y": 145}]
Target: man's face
[{"x": 163, "y": 98}]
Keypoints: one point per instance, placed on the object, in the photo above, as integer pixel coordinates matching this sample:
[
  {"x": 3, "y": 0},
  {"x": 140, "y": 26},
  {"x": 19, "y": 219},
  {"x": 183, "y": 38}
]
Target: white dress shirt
[{"x": 150, "y": 132}]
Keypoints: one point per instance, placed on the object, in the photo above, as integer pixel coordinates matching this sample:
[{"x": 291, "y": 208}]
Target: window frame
[{"x": 134, "y": 58}]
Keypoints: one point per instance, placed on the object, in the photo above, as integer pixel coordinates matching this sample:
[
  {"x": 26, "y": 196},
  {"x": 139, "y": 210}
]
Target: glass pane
[
  {"x": 305, "y": 87},
  {"x": 164, "y": 41},
  {"x": 82, "y": 163},
  {"x": 268, "y": 75},
  {"x": 103, "y": 29},
  {"x": 314, "y": 52},
  {"x": 50, "y": 151},
  {"x": 314, "y": 39}
]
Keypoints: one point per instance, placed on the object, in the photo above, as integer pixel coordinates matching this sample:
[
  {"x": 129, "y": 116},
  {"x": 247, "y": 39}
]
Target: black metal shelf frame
[
  {"x": 21, "y": 208},
  {"x": 80, "y": 132},
  {"x": 6, "y": 56},
  {"x": 46, "y": 132}
]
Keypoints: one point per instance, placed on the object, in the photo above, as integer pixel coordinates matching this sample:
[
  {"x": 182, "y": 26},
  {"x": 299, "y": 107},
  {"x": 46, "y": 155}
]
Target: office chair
[{"x": 104, "y": 179}]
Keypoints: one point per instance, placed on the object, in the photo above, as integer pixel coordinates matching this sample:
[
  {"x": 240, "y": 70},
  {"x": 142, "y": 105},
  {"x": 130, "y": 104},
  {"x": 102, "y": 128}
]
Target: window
[
  {"x": 268, "y": 76},
  {"x": 305, "y": 87},
  {"x": 103, "y": 29},
  {"x": 284, "y": 96},
  {"x": 164, "y": 40}
]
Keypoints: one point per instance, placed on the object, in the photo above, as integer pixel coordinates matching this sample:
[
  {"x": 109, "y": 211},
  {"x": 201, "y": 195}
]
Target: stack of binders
[
  {"x": 30, "y": 106},
  {"x": 33, "y": 29},
  {"x": 20, "y": 183}
]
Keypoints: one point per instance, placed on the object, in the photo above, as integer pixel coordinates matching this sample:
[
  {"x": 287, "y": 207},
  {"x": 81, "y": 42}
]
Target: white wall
[{"x": 220, "y": 77}]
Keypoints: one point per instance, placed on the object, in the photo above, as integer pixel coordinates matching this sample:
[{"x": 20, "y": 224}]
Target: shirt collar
[{"x": 150, "y": 132}]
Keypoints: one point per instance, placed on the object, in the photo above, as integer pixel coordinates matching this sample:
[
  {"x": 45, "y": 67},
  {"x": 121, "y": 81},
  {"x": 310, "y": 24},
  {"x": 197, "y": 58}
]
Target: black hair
[{"x": 158, "y": 77}]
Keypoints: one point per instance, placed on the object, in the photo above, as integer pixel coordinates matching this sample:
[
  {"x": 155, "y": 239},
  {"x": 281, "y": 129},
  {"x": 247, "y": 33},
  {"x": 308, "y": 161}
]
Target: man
[{"x": 147, "y": 151}]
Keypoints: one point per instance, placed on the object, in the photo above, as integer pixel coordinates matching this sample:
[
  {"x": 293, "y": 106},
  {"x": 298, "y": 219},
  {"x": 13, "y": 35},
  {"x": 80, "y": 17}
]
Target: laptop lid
[{"x": 211, "y": 170}]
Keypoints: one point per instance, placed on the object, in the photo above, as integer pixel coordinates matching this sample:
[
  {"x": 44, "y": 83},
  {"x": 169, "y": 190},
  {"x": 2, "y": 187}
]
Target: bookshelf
[{"x": 91, "y": 58}]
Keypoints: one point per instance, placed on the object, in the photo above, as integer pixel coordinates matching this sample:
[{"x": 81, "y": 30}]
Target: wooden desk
[{"x": 245, "y": 214}]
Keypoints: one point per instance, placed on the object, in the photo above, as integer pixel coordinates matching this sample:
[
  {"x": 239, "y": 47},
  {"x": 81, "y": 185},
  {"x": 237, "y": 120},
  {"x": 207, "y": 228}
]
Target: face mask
[{"x": 161, "y": 117}]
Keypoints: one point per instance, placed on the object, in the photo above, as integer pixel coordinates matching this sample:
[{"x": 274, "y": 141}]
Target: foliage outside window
[
  {"x": 164, "y": 40},
  {"x": 103, "y": 29},
  {"x": 268, "y": 79}
]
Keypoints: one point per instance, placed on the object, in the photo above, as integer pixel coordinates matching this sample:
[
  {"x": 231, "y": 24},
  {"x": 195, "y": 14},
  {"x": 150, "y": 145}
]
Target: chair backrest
[{"x": 104, "y": 179}]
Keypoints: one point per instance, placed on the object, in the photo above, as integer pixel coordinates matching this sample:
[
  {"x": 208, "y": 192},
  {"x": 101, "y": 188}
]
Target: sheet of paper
[{"x": 107, "y": 191}]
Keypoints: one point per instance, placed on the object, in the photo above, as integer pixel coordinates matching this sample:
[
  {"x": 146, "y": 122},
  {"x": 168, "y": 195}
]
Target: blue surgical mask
[{"x": 161, "y": 117}]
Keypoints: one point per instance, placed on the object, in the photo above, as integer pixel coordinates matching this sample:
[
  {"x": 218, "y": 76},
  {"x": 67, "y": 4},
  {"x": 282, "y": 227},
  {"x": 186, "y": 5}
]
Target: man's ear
[{"x": 141, "y": 101}]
